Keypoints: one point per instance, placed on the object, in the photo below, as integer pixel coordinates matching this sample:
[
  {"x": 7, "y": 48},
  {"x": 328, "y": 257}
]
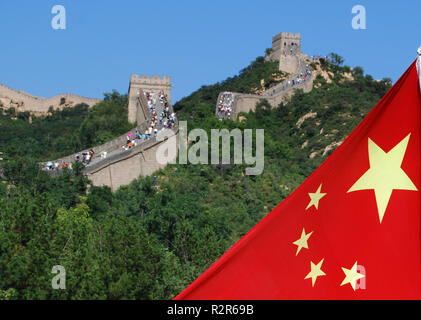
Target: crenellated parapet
[
  {"x": 287, "y": 42},
  {"x": 154, "y": 80}
]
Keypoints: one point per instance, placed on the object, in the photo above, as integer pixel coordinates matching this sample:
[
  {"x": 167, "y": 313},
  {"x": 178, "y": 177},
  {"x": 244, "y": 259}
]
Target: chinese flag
[{"x": 350, "y": 231}]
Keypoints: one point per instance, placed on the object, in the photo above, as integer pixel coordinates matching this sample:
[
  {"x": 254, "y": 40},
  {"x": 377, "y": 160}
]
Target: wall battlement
[
  {"x": 287, "y": 35},
  {"x": 285, "y": 39},
  {"x": 150, "y": 80}
]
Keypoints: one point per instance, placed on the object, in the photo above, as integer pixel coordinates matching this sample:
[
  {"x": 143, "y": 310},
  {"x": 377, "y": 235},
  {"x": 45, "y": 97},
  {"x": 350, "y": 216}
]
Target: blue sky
[{"x": 195, "y": 42}]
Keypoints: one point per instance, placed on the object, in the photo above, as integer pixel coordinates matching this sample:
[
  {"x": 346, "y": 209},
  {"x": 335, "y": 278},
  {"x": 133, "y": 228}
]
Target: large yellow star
[
  {"x": 316, "y": 271},
  {"x": 302, "y": 242},
  {"x": 352, "y": 276},
  {"x": 315, "y": 198},
  {"x": 385, "y": 174}
]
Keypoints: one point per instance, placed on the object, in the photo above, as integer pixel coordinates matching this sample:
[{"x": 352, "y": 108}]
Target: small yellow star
[
  {"x": 315, "y": 198},
  {"x": 302, "y": 242},
  {"x": 351, "y": 276},
  {"x": 316, "y": 271}
]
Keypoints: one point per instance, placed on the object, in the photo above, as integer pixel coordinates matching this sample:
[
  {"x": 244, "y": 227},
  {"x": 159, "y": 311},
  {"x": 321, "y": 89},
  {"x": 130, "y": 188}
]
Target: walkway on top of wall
[{"x": 228, "y": 111}]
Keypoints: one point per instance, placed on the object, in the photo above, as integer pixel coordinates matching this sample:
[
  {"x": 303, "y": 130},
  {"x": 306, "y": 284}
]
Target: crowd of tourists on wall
[
  {"x": 161, "y": 117},
  {"x": 56, "y": 166},
  {"x": 85, "y": 157},
  {"x": 303, "y": 75},
  {"x": 225, "y": 105}
]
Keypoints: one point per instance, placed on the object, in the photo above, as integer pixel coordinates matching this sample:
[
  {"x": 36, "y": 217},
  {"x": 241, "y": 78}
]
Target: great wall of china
[
  {"x": 120, "y": 167},
  {"x": 286, "y": 48}
]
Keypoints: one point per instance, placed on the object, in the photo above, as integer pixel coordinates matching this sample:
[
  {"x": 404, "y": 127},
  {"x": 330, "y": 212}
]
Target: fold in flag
[{"x": 350, "y": 231}]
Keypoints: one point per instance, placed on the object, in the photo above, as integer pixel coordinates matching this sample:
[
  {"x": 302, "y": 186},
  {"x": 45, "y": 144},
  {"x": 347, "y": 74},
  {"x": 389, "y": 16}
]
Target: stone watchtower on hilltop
[
  {"x": 286, "y": 48},
  {"x": 137, "y": 102}
]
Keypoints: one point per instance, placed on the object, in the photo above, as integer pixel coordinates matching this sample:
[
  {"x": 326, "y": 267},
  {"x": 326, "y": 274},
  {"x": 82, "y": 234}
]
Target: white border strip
[{"x": 419, "y": 66}]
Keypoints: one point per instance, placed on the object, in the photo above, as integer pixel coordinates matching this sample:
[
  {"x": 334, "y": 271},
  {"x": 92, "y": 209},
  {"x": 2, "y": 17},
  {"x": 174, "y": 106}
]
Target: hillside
[
  {"x": 62, "y": 132},
  {"x": 150, "y": 239}
]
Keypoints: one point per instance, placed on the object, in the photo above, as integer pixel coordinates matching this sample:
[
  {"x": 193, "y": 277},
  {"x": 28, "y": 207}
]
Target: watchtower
[
  {"x": 287, "y": 43},
  {"x": 286, "y": 48},
  {"x": 139, "y": 85}
]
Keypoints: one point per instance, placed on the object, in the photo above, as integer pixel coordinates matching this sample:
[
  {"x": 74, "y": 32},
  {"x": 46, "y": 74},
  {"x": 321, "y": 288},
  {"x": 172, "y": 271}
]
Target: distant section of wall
[
  {"x": 145, "y": 83},
  {"x": 23, "y": 101},
  {"x": 286, "y": 49},
  {"x": 247, "y": 102}
]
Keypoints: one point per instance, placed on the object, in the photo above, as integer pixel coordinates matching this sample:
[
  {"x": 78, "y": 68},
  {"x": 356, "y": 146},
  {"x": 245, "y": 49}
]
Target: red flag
[{"x": 350, "y": 231}]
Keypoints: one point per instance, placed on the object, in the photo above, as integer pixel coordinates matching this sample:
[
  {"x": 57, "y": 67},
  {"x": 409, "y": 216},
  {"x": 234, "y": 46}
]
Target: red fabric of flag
[{"x": 350, "y": 231}]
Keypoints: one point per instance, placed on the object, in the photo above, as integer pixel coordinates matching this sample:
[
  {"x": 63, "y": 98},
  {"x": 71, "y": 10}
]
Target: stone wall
[
  {"x": 247, "y": 102},
  {"x": 289, "y": 63},
  {"x": 23, "y": 101},
  {"x": 110, "y": 146},
  {"x": 138, "y": 110},
  {"x": 128, "y": 166}
]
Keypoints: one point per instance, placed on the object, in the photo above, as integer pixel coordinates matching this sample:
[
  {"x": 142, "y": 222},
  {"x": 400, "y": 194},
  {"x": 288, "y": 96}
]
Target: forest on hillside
[{"x": 151, "y": 239}]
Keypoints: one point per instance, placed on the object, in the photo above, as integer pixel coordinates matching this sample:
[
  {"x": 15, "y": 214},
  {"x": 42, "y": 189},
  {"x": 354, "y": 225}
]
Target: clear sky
[{"x": 195, "y": 42}]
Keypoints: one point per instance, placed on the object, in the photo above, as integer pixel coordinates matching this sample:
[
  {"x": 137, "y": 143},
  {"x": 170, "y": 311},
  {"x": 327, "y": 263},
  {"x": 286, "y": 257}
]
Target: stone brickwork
[
  {"x": 22, "y": 101},
  {"x": 289, "y": 63},
  {"x": 125, "y": 167}
]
